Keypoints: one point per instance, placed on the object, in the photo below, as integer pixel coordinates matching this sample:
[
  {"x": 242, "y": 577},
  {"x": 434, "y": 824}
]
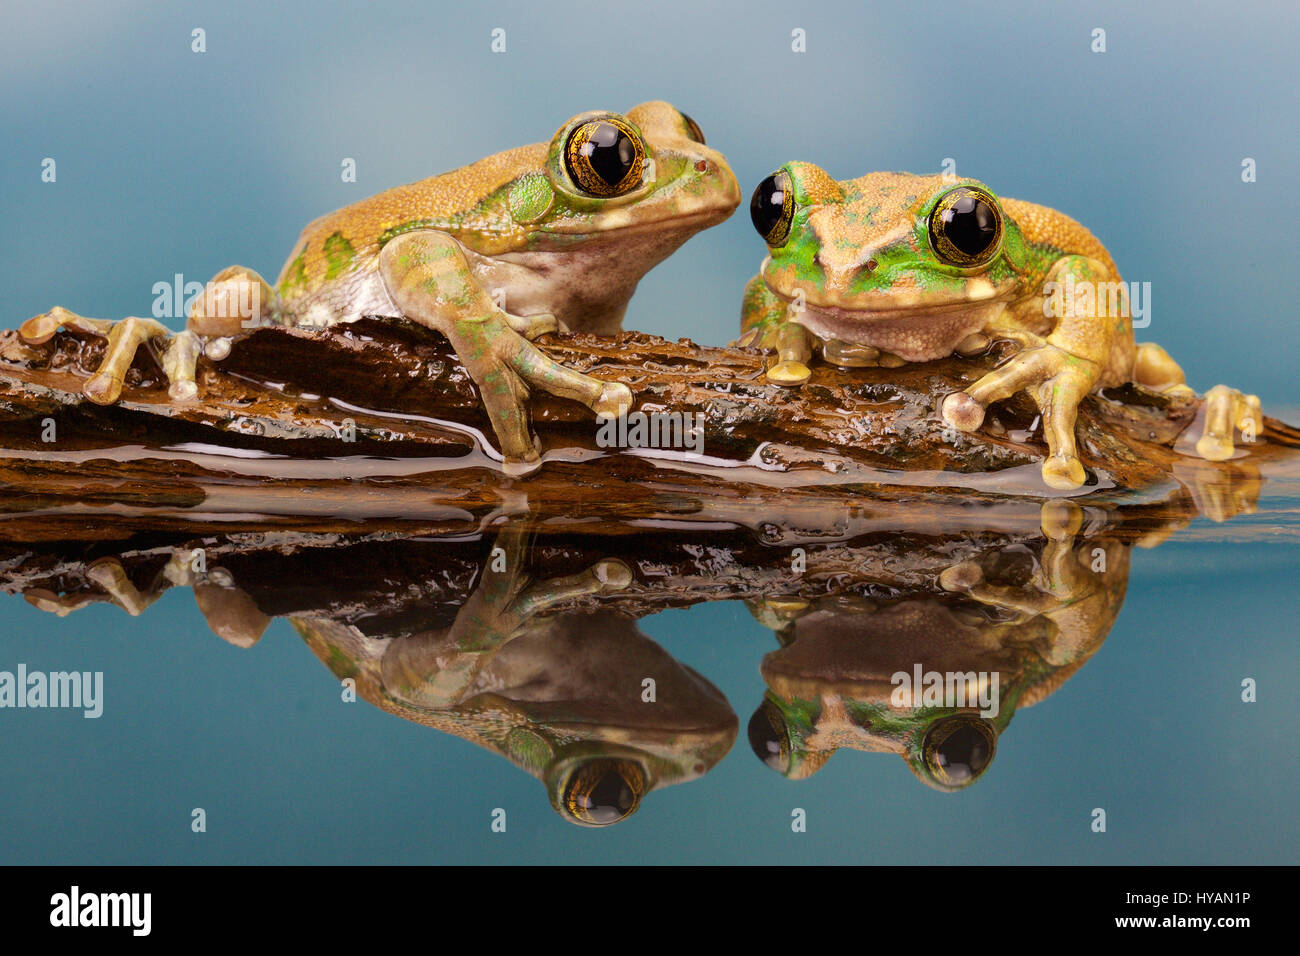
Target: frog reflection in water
[
  {"x": 564, "y": 232},
  {"x": 550, "y": 673},
  {"x": 837, "y": 680},
  {"x": 892, "y": 268},
  {"x": 561, "y": 695}
]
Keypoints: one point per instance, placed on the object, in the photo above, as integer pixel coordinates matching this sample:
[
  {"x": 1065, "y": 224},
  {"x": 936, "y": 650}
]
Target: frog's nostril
[{"x": 702, "y": 166}]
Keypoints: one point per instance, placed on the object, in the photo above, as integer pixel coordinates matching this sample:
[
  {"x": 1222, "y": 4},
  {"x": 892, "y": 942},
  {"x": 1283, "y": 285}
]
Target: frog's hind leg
[
  {"x": 114, "y": 586},
  {"x": 1225, "y": 408},
  {"x": 235, "y": 301},
  {"x": 124, "y": 338},
  {"x": 1155, "y": 369},
  {"x": 41, "y": 328}
]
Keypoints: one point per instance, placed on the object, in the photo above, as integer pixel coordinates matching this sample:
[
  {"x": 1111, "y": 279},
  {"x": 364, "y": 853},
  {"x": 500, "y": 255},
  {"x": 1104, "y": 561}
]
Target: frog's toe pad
[
  {"x": 1063, "y": 472},
  {"x": 612, "y": 574},
  {"x": 1060, "y": 520},
  {"x": 102, "y": 389},
  {"x": 615, "y": 401},
  {"x": 962, "y": 412},
  {"x": 961, "y": 577},
  {"x": 39, "y": 329},
  {"x": 1215, "y": 447},
  {"x": 789, "y": 373},
  {"x": 183, "y": 391},
  {"x": 519, "y": 467}
]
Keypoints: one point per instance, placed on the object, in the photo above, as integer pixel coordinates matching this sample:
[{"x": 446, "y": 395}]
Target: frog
[
  {"x": 561, "y": 698},
  {"x": 1018, "y": 615},
  {"x": 546, "y": 237},
  {"x": 892, "y": 268},
  {"x": 540, "y": 672},
  {"x": 468, "y": 635}
]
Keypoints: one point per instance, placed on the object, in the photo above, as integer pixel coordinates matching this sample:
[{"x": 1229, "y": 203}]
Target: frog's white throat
[{"x": 914, "y": 335}]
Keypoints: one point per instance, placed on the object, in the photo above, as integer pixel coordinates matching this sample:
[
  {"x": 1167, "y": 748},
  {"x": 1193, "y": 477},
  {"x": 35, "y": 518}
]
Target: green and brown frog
[
  {"x": 559, "y": 689},
  {"x": 1003, "y": 628},
  {"x": 492, "y": 255},
  {"x": 551, "y": 673},
  {"x": 893, "y": 268}
]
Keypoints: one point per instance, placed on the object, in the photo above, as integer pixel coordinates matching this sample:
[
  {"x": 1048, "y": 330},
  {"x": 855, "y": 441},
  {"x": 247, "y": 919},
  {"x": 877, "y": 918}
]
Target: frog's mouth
[{"x": 624, "y": 222}]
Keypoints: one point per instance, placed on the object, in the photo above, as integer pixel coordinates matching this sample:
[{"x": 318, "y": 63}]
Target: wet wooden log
[{"x": 380, "y": 414}]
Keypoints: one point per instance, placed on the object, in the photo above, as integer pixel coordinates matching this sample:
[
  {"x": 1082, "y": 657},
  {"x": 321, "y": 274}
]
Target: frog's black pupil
[
  {"x": 767, "y": 206},
  {"x": 767, "y": 737},
  {"x": 610, "y": 152},
  {"x": 971, "y": 225},
  {"x": 610, "y": 800},
  {"x": 964, "y": 753},
  {"x": 697, "y": 134}
]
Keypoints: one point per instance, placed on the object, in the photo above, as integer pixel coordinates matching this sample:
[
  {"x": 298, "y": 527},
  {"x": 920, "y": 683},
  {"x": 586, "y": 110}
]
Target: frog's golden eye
[
  {"x": 604, "y": 791},
  {"x": 693, "y": 128},
  {"x": 772, "y": 208},
  {"x": 605, "y": 157},
  {"x": 769, "y": 737},
  {"x": 966, "y": 227},
  {"x": 958, "y": 749}
]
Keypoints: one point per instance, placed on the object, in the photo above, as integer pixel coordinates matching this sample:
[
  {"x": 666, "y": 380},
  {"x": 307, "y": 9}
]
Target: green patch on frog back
[
  {"x": 340, "y": 664},
  {"x": 339, "y": 254},
  {"x": 295, "y": 277}
]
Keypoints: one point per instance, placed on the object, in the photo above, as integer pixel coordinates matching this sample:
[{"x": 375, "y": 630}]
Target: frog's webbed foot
[
  {"x": 1057, "y": 381},
  {"x": 507, "y": 366},
  {"x": 1225, "y": 409},
  {"x": 767, "y": 322},
  {"x": 176, "y": 354},
  {"x": 431, "y": 282},
  {"x": 1219, "y": 493}
]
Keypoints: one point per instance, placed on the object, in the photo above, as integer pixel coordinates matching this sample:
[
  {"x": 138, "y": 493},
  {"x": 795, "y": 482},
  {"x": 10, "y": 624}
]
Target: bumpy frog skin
[
  {"x": 491, "y": 255},
  {"x": 894, "y": 268}
]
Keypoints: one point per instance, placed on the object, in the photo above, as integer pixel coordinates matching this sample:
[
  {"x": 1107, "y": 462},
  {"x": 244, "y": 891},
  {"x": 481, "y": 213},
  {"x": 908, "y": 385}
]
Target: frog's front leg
[
  {"x": 436, "y": 671},
  {"x": 1066, "y": 588},
  {"x": 1057, "y": 374},
  {"x": 431, "y": 282},
  {"x": 765, "y": 323}
]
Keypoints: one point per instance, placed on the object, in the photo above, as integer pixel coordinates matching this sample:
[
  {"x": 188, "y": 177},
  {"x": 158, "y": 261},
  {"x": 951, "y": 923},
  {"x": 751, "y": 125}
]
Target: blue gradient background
[{"x": 171, "y": 162}]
